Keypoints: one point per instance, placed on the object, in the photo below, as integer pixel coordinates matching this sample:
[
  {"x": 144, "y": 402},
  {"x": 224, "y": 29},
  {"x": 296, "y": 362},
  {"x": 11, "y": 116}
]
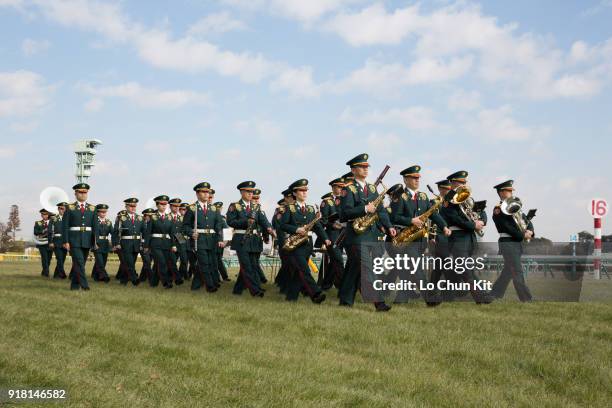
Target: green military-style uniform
[
  {"x": 204, "y": 219},
  {"x": 333, "y": 262},
  {"x": 412, "y": 204},
  {"x": 297, "y": 216},
  {"x": 180, "y": 239},
  {"x": 281, "y": 278},
  {"x": 441, "y": 250},
  {"x": 511, "y": 248},
  {"x": 259, "y": 236},
  {"x": 462, "y": 242},
  {"x": 102, "y": 247},
  {"x": 360, "y": 247},
  {"x": 128, "y": 232},
  {"x": 41, "y": 232},
  {"x": 55, "y": 238},
  {"x": 146, "y": 272},
  {"x": 79, "y": 229},
  {"x": 158, "y": 239},
  {"x": 238, "y": 215},
  {"x": 221, "y": 269}
]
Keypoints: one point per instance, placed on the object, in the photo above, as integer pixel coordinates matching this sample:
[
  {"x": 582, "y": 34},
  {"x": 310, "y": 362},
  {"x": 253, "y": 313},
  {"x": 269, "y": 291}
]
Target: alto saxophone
[
  {"x": 412, "y": 232},
  {"x": 296, "y": 240},
  {"x": 363, "y": 223}
]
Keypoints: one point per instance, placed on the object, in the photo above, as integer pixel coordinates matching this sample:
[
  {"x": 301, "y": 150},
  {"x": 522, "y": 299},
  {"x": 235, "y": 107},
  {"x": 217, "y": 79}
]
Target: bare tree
[{"x": 14, "y": 222}]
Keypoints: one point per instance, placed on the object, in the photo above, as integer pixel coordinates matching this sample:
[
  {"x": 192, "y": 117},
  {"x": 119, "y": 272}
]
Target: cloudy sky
[{"x": 275, "y": 90}]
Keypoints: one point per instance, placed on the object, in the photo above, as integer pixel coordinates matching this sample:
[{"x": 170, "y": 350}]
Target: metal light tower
[{"x": 85, "y": 152}]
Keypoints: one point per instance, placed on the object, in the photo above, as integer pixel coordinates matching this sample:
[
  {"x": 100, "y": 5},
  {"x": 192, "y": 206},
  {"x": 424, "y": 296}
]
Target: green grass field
[{"x": 125, "y": 346}]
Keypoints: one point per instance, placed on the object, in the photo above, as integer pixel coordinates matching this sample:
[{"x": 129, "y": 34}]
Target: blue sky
[{"x": 275, "y": 90}]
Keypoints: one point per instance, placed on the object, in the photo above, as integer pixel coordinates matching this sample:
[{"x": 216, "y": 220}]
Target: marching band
[{"x": 352, "y": 220}]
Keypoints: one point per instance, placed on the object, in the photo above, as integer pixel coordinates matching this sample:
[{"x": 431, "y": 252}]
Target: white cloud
[
  {"x": 157, "y": 46},
  {"x": 22, "y": 93},
  {"x": 464, "y": 101},
  {"x": 216, "y": 23},
  {"x": 373, "y": 25},
  {"x": 31, "y": 47},
  {"x": 301, "y": 10},
  {"x": 498, "y": 124},
  {"x": 266, "y": 130},
  {"x": 414, "y": 118},
  {"x": 297, "y": 82},
  {"x": 378, "y": 77},
  {"x": 94, "y": 105},
  {"x": 383, "y": 143},
  {"x": 11, "y": 3},
  {"x": 145, "y": 97},
  {"x": 24, "y": 127},
  {"x": 7, "y": 152},
  {"x": 527, "y": 65}
]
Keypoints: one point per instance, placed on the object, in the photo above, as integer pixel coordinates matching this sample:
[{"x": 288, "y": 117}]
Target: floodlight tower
[{"x": 85, "y": 151}]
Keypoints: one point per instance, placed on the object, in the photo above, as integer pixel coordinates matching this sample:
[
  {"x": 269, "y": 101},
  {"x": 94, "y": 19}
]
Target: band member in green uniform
[
  {"x": 203, "y": 223},
  {"x": 221, "y": 269},
  {"x": 102, "y": 245},
  {"x": 55, "y": 241},
  {"x": 146, "y": 272},
  {"x": 357, "y": 202},
  {"x": 295, "y": 221},
  {"x": 41, "y": 232},
  {"x": 160, "y": 242},
  {"x": 79, "y": 229},
  {"x": 129, "y": 231},
  {"x": 514, "y": 229},
  {"x": 245, "y": 218}
]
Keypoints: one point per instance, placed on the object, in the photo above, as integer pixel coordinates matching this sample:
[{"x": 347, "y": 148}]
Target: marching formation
[{"x": 186, "y": 242}]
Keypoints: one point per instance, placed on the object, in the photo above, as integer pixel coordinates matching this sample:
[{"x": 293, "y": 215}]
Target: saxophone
[
  {"x": 296, "y": 240},
  {"x": 412, "y": 232},
  {"x": 363, "y": 223}
]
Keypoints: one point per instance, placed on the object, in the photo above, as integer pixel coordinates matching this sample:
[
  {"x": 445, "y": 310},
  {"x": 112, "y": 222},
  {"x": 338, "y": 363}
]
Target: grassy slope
[{"x": 124, "y": 346}]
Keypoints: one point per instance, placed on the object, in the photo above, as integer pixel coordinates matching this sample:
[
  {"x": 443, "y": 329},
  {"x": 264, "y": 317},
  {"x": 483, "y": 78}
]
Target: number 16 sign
[{"x": 598, "y": 208}]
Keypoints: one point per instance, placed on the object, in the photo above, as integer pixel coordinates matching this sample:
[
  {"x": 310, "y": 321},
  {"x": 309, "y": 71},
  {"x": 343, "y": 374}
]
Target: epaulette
[
  {"x": 405, "y": 196},
  {"x": 389, "y": 210},
  {"x": 372, "y": 188},
  {"x": 422, "y": 196},
  {"x": 92, "y": 207},
  {"x": 123, "y": 218},
  {"x": 138, "y": 217},
  {"x": 71, "y": 206},
  {"x": 353, "y": 189},
  {"x": 213, "y": 208},
  {"x": 192, "y": 207},
  {"x": 155, "y": 217},
  {"x": 310, "y": 208},
  {"x": 38, "y": 222},
  {"x": 282, "y": 209},
  {"x": 237, "y": 206},
  {"x": 292, "y": 208},
  {"x": 329, "y": 201}
]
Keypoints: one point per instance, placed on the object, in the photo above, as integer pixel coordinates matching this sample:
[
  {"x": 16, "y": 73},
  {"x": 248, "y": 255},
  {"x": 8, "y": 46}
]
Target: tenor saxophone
[
  {"x": 412, "y": 232},
  {"x": 363, "y": 223}
]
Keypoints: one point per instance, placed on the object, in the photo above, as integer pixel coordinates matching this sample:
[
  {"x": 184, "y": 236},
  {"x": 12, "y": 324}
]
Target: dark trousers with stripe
[
  {"x": 221, "y": 269},
  {"x": 281, "y": 279},
  {"x": 45, "y": 258},
  {"x": 300, "y": 277},
  {"x": 184, "y": 262},
  {"x": 513, "y": 271},
  {"x": 129, "y": 263},
  {"x": 359, "y": 266},
  {"x": 98, "y": 272},
  {"x": 464, "y": 248},
  {"x": 162, "y": 258},
  {"x": 60, "y": 257},
  {"x": 247, "y": 276},
  {"x": 205, "y": 269},
  {"x": 79, "y": 260}
]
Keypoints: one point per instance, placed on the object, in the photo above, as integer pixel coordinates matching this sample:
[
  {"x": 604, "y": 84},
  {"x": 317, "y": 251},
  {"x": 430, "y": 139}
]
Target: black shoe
[
  {"x": 123, "y": 283},
  {"x": 345, "y": 304},
  {"x": 433, "y": 304},
  {"x": 382, "y": 307},
  {"x": 106, "y": 280},
  {"x": 86, "y": 288},
  {"x": 135, "y": 282},
  {"x": 227, "y": 279},
  {"x": 178, "y": 282},
  {"x": 259, "y": 294},
  {"x": 211, "y": 290},
  {"x": 319, "y": 298},
  {"x": 168, "y": 286},
  {"x": 485, "y": 299},
  {"x": 264, "y": 280}
]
